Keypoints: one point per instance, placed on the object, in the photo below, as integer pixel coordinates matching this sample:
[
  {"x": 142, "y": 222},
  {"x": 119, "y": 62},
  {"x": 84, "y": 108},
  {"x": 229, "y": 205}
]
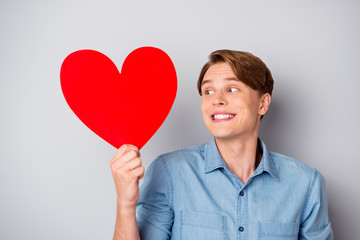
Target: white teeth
[{"x": 223, "y": 116}]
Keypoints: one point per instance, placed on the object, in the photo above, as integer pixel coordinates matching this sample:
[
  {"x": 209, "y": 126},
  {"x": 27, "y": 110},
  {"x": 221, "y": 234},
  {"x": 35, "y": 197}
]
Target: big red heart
[{"x": 120, "y": 108}]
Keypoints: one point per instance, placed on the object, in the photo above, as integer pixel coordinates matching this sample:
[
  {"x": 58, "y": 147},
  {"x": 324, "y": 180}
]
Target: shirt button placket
[{"x": 242, "y": 215}]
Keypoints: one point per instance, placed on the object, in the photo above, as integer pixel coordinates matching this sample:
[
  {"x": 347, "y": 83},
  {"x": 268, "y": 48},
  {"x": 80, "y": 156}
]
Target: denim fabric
[{"x": 192, "y": 194}]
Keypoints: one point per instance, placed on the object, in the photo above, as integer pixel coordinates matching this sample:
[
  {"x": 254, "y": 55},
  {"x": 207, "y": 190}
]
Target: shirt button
[
  {"x": 241, "y": 193},
  {"x": 241, "y": 229}
]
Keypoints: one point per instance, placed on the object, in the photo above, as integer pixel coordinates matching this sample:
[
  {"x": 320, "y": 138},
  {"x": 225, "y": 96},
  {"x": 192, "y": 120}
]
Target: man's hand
[{"x": 127, "y": 170}]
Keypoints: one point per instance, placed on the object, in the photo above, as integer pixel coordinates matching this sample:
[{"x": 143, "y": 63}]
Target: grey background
[{"x": 55, "y": 180}]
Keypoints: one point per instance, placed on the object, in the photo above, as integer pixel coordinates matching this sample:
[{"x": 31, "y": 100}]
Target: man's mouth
[{"x": 222, "y": 116}]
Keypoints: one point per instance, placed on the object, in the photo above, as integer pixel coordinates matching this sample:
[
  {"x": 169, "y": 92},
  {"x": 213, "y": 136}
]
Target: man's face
[{"x": 230, "y": 108}]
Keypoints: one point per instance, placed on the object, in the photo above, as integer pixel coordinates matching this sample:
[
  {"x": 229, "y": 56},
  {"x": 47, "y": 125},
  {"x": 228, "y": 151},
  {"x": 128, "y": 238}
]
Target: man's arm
[
  {"x": 127, "y": 170},
  {"x": 315, "y": 223},
  {"x": 154, "y": 213},
  {"x": 126, "y": 225}
]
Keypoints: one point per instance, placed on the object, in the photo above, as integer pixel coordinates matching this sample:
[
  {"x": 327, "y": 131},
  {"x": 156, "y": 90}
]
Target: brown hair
[{"x": 247, "y": 68}]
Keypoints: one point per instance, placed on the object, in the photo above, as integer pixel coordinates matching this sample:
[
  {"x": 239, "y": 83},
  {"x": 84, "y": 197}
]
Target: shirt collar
[
  {"x": 267, "y": 163},
  {"x": 213, "y": 160}
]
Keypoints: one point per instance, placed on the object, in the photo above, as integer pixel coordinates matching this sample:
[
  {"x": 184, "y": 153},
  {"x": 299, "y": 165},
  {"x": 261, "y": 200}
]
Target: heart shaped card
[{"x": 122, "y": 108}]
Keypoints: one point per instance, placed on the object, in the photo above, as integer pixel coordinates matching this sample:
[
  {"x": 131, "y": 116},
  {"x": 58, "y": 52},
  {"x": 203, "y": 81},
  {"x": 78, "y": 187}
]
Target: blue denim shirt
[{"x": 192, "y": 194}]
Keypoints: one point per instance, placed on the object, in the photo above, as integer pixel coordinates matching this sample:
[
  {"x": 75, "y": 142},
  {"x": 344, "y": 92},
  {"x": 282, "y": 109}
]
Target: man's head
[
  {"x": 247, "y": 68},
  {"x": 236, "y": 92}
]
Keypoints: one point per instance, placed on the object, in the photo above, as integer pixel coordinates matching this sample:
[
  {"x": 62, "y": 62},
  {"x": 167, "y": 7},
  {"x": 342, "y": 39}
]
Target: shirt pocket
[
  {"x": 278, "y": 231},
  {"x": 202, "y": 226}
]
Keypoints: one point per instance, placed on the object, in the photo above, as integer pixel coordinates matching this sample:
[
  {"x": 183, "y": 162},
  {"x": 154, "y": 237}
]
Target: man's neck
[{"x": 241, "y": 155}]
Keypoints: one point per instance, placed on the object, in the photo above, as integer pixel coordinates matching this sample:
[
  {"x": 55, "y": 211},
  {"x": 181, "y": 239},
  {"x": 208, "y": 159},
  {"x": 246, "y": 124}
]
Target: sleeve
[
  {"x": 315, "y": 223},
  {"x": 154, "y": 211}
]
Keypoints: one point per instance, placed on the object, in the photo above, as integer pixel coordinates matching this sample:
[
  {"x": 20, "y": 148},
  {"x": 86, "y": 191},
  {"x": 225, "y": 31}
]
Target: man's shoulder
[
  {"x": 291, "y": 167},
  {"x": 183, "y": 156}
]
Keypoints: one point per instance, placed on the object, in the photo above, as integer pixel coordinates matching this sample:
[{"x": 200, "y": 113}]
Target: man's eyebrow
[
  {"x": 228, "y": 79},
  {"x": 232, "y": 79},
  {"x": 205, "y": 82}
]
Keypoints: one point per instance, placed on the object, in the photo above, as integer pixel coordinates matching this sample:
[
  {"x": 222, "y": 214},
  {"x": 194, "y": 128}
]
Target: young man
[{"x": 231, "y": 187}]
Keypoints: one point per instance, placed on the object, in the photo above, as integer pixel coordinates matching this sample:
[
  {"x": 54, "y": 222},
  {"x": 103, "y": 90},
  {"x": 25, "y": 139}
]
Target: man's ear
[{"x": 264, "y": 103}]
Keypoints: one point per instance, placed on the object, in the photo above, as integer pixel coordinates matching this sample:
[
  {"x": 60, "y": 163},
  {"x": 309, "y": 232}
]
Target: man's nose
[{"x": 219, "y": 99}]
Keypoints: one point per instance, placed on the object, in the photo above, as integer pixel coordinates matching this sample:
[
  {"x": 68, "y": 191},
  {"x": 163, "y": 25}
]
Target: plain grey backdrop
[{"x": 55, "y": 179}]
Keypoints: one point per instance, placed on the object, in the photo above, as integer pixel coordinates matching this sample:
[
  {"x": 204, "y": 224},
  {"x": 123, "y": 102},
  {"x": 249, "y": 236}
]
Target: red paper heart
[{"x": 120, "y": 108}]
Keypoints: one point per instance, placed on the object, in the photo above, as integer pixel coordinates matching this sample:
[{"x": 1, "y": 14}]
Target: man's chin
[{"x": 222, "y": 135}]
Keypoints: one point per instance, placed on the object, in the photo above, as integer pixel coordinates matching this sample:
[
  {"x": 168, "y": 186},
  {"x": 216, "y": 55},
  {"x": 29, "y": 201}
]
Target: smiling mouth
[{"x": 222, "y": 116}]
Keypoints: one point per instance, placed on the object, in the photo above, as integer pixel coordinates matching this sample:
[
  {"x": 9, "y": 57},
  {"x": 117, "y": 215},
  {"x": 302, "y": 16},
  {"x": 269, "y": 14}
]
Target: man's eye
[
  {"x": 208, "y": 92},
  {"x": 233, "y": 89}
]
